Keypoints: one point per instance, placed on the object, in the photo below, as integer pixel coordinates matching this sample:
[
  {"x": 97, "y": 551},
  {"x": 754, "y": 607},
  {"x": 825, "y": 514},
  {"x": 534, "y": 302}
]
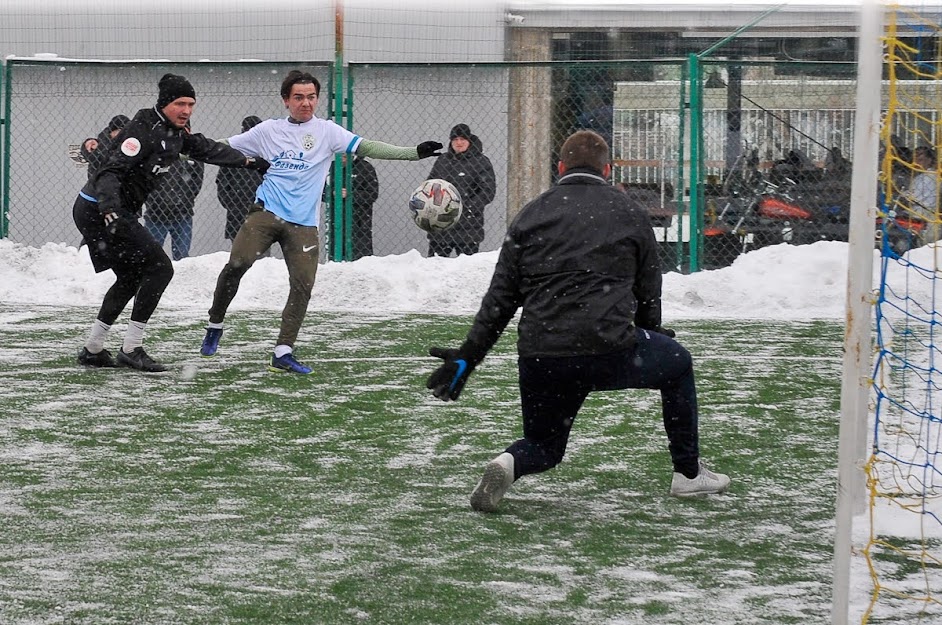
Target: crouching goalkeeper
[{"x": 581, "y": 260}]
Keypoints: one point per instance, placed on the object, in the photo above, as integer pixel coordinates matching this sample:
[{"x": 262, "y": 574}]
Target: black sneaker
[
  {"x": 138, "y": 359},
  {"x": 100, "y": 360}
]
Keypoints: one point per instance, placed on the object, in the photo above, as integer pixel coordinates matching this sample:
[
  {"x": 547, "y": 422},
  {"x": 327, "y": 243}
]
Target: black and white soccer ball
[{"x": 435, "y": 205}]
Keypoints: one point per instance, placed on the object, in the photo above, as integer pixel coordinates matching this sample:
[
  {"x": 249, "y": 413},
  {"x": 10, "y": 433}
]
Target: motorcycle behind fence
[{"x": 797, "y": 202}]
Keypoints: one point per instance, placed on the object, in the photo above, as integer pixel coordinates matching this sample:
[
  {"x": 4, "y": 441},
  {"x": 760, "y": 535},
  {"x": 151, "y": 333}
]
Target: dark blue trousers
[{"x": 553, "y": 389}]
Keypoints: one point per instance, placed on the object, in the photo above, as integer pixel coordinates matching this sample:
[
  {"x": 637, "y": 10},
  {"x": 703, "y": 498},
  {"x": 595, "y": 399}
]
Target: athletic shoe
[
  {"x": 498, "y": 476},
  {"x": 138, "y": 359},
  {"x": 211, "y": 342},
  {"x": 706, "y": 483},
  {"x": 100, "y": 360},
  {"x": 288, "y": 363}
]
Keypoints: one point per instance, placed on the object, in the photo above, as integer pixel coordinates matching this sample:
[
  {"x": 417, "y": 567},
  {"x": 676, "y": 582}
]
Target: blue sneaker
[
  {"x": 288, "y": 363},
  {"x": 211, "y": 342}
]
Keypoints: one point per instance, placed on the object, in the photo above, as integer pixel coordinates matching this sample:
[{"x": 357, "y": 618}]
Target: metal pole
[
  {"x": 696, "y": 142},
  {"x": 855, "y": 385},
  {"x": 679, "y": 191},
  {"x": 739, "y": 31},
  {"x": 348, "y": 174},
  {"x": 338, "y": 228},
  {"x": 7, "y": 79}
]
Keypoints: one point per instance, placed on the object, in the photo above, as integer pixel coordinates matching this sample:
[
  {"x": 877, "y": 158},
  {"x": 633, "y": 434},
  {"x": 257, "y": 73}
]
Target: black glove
[
  {"x": 664, "y": 331},
  {"x": 111, "y": 222},
  {"x": 429, "y": 148},
  {"x": 449, "y": 379},
  {"x": 257, "y": 163}
]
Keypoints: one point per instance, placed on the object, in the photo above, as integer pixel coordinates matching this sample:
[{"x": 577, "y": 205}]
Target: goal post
[
  {"x": 855, "y": 386},
  {"x": 888, "y": 560}
]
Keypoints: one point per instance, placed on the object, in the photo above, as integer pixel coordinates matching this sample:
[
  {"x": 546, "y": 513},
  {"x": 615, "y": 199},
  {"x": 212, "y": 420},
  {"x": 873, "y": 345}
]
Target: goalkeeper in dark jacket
[
  {"x": 108, "y": 206},
  {"x": 581, "y": 260}
]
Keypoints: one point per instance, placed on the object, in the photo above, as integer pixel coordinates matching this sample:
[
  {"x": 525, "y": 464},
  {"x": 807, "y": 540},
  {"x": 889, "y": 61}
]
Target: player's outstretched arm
[{"x": 389, "y": 152}]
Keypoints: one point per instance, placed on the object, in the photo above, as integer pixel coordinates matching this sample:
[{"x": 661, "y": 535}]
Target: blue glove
[{"x": 449, "y": 379}]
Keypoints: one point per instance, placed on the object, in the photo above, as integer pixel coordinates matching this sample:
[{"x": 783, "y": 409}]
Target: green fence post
[
  {"x": 6, "y": 80},
  {"x": 348, "y": 174},
  {"x": 336, "y": 222},
  {"x": 696, "y": 142},
  {"x": 679, "y": 191},
  {"x": 338, "y": 249}
]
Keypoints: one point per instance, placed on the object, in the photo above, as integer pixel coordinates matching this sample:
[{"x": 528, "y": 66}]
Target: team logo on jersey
[
  {"x": 130, "y": 147},
  {"x": 307, "y": 142}
]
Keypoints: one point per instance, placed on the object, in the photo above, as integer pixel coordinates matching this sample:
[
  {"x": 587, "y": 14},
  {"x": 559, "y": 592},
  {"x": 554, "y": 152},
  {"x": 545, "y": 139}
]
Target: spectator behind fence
[
  {"x": 170, "y": 206},
  {"x": 95, "y": 149},
  {"x": 365, "y": 184},
  {"x": 235, "y": 189},
  {"x": 466, "y": 167},
  {"x": 923, "y": 192}
]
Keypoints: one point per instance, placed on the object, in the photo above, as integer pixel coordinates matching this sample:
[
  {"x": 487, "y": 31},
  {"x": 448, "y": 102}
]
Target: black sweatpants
[
  {"x": 552, "y": 391},
  {"x": 140, "y": 264}
]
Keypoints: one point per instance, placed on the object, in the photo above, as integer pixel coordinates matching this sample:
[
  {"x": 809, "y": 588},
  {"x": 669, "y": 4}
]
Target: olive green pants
[{"x": 300, "y": 248}]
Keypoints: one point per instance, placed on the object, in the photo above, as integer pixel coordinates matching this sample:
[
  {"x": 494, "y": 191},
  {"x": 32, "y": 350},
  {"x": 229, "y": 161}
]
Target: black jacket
[
  {"x": 148, "y": 146},
  {"x": 236, "y": 189},
  {"x": 473, "y": 175},
  {"x": 175, "y": 194},
  {"x": 581, "y": 259},
  {"x": 365, "y": 184},
  {"x": 97, "y": 157}
]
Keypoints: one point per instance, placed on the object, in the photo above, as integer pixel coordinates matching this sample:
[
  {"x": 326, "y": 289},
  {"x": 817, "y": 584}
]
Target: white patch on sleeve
[{"x": 131, "y": 146}]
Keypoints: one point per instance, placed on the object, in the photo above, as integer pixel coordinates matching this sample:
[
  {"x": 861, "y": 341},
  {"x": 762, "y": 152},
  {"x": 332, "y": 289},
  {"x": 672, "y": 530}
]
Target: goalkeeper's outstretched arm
[{"x": 389, "y": 152}]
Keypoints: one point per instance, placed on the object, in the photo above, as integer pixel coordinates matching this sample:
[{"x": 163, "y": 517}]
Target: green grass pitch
[{"x": 220, "y": 493}]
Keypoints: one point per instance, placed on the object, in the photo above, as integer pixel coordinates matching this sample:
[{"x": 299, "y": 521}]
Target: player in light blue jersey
[{"x": 301, "y": 149}]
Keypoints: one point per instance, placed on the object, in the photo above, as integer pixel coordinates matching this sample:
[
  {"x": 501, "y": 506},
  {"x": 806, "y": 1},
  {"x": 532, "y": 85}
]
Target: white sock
[
  {"x": 281, "y": 350},
  {"x": 96, "y": 338},
  {"x": 134, "y": 337},
  {"x": 213, "y": 326}
]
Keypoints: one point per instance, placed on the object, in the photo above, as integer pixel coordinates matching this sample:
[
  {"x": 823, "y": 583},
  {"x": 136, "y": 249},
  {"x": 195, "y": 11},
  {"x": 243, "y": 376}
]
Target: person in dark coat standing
[
  {"x": 466, "y": 167},
  {"x": 107, "y": 208},
  {"x": 235, "y": 188},
  {"x": 170, "y": 206},
  {"x": 581, "y": 260},
  {"x": 365, "y": 185},
  {"x": 95, "y": 149}
]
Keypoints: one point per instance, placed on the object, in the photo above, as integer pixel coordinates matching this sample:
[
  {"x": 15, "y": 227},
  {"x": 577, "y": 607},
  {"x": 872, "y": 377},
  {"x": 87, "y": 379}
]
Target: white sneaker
[
  {"x": 706, "y": 483},
  {"x": 498, "y": 476}
]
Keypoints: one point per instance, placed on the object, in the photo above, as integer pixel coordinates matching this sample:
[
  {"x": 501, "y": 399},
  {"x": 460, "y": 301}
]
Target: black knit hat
[
  {"x": 118, "y": 122},
  {"x": 172, "y": 87},
  {"x": 461, "y": 130},
  {"x": 250, "y": 122}
]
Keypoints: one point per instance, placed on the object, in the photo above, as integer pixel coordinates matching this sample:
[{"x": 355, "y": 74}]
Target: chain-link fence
[
  {"x": 519, "y": 114},
  {"x": 773, "y": 160},
  {"x": 53, "y": 107},
  {"x": 776, "y": 150}
]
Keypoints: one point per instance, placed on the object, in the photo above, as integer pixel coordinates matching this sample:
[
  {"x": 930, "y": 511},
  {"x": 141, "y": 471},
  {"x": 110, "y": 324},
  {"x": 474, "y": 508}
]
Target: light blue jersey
[{"x": 300, "y": 157}]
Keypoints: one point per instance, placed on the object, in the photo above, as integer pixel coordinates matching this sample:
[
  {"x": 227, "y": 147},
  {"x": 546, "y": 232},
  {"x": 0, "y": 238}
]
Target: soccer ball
[{"x": 435, "y": 205}]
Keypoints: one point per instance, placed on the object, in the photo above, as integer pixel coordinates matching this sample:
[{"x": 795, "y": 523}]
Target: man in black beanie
[{"x": 107, "y": 209}]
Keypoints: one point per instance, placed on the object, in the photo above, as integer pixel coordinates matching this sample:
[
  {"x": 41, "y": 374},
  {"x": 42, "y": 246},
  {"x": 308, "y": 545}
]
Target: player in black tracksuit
[
  {"x": 108, "y": 206},
  {"x": 581, "y": 260}
]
